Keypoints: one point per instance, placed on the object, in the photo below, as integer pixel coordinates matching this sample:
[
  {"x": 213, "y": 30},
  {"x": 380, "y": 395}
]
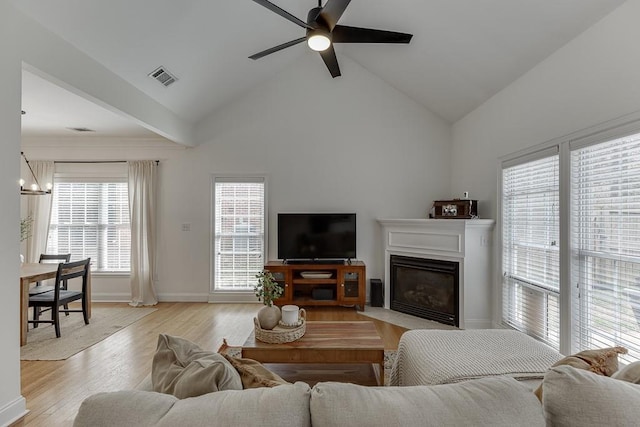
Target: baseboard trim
[
  {"x": 232, "y": 297},
  {"x": 13, "y": 412},
  {"x": 478, "y": 324},
  {"x": 101, "y": 297},
  {"x": 126, "y": 297},
  {"x": 183, "y": 297}
]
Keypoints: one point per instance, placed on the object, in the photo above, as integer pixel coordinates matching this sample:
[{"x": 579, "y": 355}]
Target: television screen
[{"x": 316, "y": 236}]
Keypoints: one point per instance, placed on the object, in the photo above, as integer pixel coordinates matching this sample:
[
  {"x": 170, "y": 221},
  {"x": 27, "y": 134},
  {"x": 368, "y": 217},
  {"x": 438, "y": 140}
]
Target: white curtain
[
  {"x": 39, "y": 208},
  {"x": 142, "y": 209}
]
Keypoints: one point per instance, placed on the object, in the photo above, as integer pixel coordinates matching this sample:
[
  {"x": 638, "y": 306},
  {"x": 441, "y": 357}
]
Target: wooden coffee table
[{"x": 324, "y": 343}]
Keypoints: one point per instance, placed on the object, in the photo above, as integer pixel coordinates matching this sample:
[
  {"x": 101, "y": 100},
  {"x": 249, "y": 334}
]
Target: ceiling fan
[{"x": 323, "y": 31}]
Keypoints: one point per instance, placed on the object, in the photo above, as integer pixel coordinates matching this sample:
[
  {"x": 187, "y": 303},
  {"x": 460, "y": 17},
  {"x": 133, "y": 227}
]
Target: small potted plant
[
  {"x": 25, "y": 228},
  {"x": 25, "y": 231},
  {"x": 267, "y": 290}
]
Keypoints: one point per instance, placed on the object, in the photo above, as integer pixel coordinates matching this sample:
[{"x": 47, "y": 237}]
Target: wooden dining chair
[
  {"x": 39, "y": 288},
  {"x": 61, "y": 297}
]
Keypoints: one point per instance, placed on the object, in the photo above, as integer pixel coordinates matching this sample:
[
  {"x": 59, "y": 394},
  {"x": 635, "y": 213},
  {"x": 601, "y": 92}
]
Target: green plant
[
  {"x": 267, "y": 288},
  {"x": 25, "y": 228}
]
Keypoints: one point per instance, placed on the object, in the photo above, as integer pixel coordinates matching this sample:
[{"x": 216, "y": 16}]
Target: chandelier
[{"x": 34, "y": 189}]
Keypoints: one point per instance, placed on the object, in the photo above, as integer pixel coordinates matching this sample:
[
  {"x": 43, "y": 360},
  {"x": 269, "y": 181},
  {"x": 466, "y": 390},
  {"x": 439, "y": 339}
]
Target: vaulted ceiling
[{"x": 462, "y": 53}]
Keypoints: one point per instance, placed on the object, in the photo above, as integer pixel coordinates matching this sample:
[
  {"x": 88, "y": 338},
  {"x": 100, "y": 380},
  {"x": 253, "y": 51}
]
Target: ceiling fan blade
[
  {"x": 333, "y": 10},
  {"x": 344, "y": 34},
  {"x": 277, "y": 48},
  {"x": 330, "y": 60},
  {"x": 272, "y": 7}
]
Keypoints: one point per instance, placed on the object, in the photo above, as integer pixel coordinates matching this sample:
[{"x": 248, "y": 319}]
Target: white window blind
[
  {"x": 530, "y": 215},
  {"x": 91, "y": 219},
  {"x": 239, "y": 222},
  {"x": 605, "y": 233}
]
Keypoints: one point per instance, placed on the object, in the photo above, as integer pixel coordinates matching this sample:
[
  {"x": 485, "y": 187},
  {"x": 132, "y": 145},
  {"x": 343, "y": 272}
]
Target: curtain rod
[{"x": 96, "y": 161}]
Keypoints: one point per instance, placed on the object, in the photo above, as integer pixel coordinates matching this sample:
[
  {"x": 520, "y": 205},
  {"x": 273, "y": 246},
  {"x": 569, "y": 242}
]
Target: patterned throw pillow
[
  {"x": 253, "y": 374},
  {"x": 602, "y": 361}
]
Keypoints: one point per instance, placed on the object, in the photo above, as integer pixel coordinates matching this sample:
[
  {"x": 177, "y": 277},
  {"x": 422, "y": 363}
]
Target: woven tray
[{"x": 281, "y": 334}]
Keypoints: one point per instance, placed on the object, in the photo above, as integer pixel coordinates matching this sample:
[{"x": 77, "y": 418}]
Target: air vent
[
  {"x": 81, "y": 129},
  {"x": 163, "y": 76}
]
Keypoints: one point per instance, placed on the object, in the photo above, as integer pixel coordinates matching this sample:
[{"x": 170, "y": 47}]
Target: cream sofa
[
  {"x": 491, "y": 401},
  {"x": 571, "y": 397},
  {"x": 479, "y": 389}
]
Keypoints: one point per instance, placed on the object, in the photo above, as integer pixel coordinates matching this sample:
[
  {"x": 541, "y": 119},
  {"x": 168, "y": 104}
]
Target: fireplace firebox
[{"x": 426, "y": 288}]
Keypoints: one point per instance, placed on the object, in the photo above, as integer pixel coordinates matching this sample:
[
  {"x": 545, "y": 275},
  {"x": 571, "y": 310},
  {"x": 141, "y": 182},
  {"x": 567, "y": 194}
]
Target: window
[
  {"x": 90, "y": 218},
  {"x": 530, "y": 215},
  {"x": 239, "y": 232},
  {"x": 585, "y": 218},
  {"x": 605, "y": 234}
]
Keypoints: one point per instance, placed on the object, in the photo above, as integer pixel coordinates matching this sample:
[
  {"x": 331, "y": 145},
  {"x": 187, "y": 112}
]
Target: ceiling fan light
[{"x": 319, "y": 42}]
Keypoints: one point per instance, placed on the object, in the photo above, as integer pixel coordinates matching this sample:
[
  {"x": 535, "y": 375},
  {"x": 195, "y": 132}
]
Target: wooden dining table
[{"x": 35, "y": 272}]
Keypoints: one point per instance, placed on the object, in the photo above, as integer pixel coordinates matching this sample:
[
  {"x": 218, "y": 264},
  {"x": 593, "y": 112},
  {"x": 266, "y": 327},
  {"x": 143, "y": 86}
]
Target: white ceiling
[
  {"x": 51, "y": 111},
  {"x": 462, "y": 52}
]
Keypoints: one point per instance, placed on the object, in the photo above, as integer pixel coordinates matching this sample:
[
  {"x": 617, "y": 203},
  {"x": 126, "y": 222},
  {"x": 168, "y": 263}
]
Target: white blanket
[{"x": 427, "y": 357}]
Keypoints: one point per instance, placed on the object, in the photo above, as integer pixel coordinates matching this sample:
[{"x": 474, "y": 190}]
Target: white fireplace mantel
[{"x": 466, "y": 241}]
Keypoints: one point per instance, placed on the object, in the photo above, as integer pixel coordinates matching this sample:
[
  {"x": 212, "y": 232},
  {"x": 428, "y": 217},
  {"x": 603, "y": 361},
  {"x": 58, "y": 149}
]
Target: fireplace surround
[{"x": 464, "y": 242}]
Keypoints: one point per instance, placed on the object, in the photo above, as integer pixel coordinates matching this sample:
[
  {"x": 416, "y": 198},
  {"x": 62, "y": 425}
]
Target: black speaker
[{"x": 376, "y": 292}]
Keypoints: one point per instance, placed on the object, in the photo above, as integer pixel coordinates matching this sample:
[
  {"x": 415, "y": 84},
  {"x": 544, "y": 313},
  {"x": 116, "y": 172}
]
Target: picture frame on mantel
[{"x": 455, "y": 209}]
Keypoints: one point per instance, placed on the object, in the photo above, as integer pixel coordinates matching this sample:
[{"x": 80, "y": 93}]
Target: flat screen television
[{"x": 316, "y": 236}]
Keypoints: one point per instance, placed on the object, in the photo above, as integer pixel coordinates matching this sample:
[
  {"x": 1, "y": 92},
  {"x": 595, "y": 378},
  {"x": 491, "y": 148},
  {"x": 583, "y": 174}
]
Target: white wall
[
  {"x": 592, "y": 79},
  {"x": 12, "y": 404},
  {"x": 346, "y": 145},
  {"x": 351, "y": 144}
]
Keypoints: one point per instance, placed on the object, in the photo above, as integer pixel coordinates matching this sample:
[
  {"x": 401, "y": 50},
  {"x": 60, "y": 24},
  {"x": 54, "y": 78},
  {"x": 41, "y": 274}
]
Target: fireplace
[
  {"x": 459, "y": 248},
  {"x": 427, "y": 288}
]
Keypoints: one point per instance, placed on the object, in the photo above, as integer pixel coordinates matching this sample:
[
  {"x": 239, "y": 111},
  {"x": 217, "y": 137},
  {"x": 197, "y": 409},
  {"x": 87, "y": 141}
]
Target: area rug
[
  {"x": 42, "y": 343},
  {"x": 403, "y": 320}
]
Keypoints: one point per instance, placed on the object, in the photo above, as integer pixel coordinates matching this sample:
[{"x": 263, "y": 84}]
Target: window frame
[{"x": 235, "y": 295}]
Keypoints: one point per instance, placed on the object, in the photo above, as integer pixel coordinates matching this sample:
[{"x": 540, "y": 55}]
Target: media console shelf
[{"x": 320, "y": 284}]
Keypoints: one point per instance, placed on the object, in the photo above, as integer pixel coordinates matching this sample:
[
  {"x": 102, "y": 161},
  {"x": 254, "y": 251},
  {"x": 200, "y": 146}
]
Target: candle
[{"x": 290, "y": 314}]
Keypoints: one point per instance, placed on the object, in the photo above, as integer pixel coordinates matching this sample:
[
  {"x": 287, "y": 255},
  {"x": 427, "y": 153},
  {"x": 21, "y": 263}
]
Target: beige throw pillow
[
  {"x": 183, "y": 369},
  {"x": 575, "y": 397},
  {"x": 630, "y": 373}
]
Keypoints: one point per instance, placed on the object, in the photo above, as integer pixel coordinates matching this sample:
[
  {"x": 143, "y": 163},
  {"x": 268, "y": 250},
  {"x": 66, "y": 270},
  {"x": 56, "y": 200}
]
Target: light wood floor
[{"x": 55, "y": 389}]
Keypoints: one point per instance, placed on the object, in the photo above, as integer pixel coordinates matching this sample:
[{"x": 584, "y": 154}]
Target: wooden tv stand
[{"x": 320, "y": 284}]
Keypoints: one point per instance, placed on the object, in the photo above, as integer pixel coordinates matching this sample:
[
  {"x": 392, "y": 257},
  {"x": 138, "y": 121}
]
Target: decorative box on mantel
[{"x": 465, "y": 244}]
